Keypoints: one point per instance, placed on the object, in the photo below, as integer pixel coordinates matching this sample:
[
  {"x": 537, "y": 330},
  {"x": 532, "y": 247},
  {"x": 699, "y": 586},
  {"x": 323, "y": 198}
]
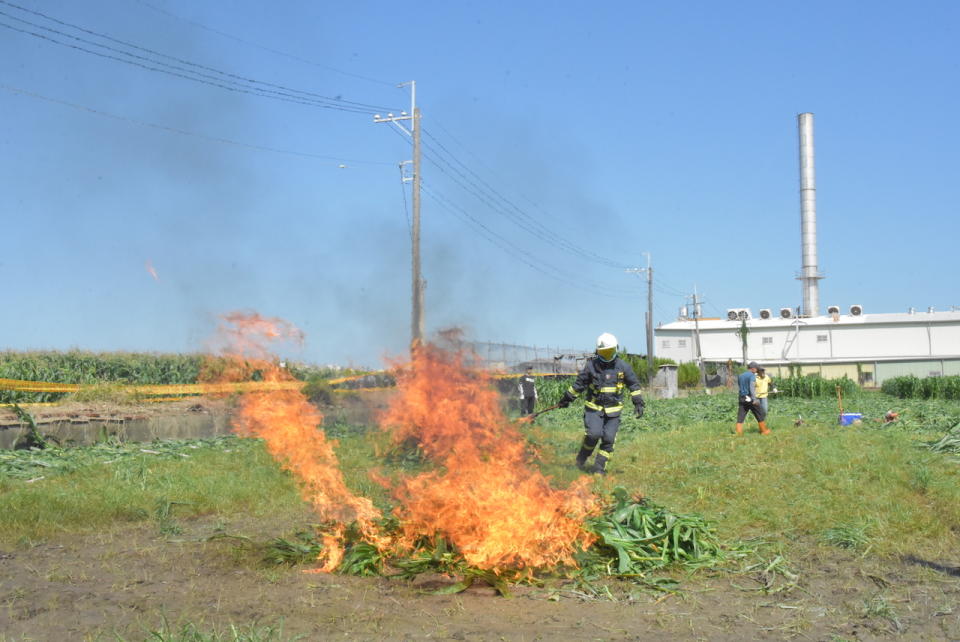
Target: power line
[
  {"x": 263, "y": 47},
  {"x": 221, "y": 79},
  {"x": 184, "y": 132},
  {"x": 483, "y": 196},
  {"x": 519, "y": 253},
  {"x": 667, "y": 291},
  {"x": 165, "y": 71},
  {"x": 534, "y": 204},
  {"x": 174, "y": 58},
  {"x": 526, "y": 221},
  {"x": 567, "y": 278}
]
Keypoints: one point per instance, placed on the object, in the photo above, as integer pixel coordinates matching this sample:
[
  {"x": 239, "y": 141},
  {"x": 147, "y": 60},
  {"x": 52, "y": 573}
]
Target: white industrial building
[{"x": 867, "y": 348}]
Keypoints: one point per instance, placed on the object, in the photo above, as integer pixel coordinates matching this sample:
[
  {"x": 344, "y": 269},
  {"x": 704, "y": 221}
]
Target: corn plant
[
  {"x": 912, "y": 387},
  {"x": 814, "y": 386},
  {"x": 635, "y": 536}
]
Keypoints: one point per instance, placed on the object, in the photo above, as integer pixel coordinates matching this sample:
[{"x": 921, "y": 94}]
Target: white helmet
[
  {"x": 606, "y": 346},
  {"x": 606, "y": 340}
]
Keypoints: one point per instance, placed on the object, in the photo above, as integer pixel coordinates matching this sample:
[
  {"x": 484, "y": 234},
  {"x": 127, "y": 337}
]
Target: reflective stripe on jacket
[{"x": 604, "y": 383}]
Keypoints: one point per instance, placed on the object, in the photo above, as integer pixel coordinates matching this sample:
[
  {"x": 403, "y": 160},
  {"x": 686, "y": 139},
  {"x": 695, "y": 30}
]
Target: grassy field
[
  {"x": 95, "y": 488},
  {"x": 873, "y": 491},
  {"x": 881, "y": 483}
]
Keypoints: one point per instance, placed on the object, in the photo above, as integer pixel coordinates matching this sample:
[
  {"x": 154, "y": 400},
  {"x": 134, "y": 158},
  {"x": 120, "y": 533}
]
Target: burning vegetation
[{"x": 482, "y": 509}]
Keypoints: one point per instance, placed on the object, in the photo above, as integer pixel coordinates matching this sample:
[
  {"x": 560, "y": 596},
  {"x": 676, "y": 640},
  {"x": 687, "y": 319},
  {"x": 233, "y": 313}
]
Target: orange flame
[
  {"x": 290, "y": 426},
  {"x": 486, "y": 499}
]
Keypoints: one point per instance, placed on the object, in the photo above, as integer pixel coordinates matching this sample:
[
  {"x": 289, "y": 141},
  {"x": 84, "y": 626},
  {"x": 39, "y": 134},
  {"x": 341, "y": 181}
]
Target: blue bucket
[{"x": 848, "y": 418}]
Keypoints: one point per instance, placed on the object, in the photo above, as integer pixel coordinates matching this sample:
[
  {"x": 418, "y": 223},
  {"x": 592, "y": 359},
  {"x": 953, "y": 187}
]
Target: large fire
[
  {"x": 483, "y": 496},
  {"x": 289, "y": 424}
]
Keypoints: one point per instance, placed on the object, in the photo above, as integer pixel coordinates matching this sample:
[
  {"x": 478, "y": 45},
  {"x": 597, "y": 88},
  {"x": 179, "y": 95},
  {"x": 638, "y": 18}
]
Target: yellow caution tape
[
  {"x": 175, "y": 389},
  {"x": 37, "y": 386},
  {"x": 533, "y": 374},
  {"x": 207, "y": 388}
]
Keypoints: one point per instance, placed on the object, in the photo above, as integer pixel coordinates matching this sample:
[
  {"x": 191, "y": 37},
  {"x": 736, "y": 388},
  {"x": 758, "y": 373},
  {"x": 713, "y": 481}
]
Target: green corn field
[
  {"x": 144, "y": 368},
  {"x": 814, "y": 386},
  {"x": 911, "y": 387}
]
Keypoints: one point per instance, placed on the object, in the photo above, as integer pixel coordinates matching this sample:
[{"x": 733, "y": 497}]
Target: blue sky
[{"x": 608, "y": 130}]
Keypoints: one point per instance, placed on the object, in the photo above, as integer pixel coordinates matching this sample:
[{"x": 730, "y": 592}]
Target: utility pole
[
  {"x": 414, "y": 133},
  {"x": 696, "y": 330},
  {"x": 649, "y": 316}
]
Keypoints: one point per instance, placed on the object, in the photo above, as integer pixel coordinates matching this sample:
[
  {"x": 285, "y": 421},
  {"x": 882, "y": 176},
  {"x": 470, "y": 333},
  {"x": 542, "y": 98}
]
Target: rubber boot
[
  {"x": 763, "y": 428},
  {"x": 582, "y": 457},
  {"x": 739, "y": 429},
  {"x": 600, "y": 463}
]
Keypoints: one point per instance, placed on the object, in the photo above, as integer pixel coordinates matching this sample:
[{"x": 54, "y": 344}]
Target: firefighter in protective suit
[{"x": 604, "y": 379}]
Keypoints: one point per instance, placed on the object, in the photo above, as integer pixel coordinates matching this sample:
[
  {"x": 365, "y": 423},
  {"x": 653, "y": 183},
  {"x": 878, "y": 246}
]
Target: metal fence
[{"x": 508, "y": 357}]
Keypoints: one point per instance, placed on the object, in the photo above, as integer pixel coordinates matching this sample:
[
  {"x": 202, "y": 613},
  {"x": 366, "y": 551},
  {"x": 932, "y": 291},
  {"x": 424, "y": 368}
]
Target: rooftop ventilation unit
[
  {"x": 856, "y": 310},
  {"x": 765, "y": 314},
  {"x": 732, "y": 315},
  {"x": 744, "y": 314},
  {"x": 786, "y": 313},
  {"x": 833, "y": 309}
]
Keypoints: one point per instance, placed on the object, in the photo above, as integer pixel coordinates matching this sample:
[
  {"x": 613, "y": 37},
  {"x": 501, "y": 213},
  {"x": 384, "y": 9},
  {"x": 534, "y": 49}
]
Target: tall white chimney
[{"x": 809, "y": 274}]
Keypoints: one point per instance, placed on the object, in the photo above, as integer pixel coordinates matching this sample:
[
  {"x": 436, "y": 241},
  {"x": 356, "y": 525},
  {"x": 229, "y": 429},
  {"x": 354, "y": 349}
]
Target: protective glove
[
  {"x": 564, "y": 402},
  {"x": 638, "y": 411},
  {"x": 747, "y": 399}
]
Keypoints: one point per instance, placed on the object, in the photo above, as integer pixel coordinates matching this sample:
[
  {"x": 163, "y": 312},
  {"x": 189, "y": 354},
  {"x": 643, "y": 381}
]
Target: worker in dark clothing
[
  {"x": 604, "y": 378},
  {"x": 528, "y": 392},
  {"x": 748, "y": 401}
]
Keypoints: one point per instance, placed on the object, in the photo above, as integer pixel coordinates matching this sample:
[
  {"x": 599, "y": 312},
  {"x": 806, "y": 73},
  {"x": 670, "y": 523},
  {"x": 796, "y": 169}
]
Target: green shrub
[
  {"x": 318, "y": 391},
  {"x": 639, "y": 364},
  {"x": 688, "y": 375},
  {"x": 813, "y": 386},
  {"x": 911, "y": 387}
]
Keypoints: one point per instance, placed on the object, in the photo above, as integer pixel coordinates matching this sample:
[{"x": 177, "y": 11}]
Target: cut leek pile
[{"x": 635, "y": 536}]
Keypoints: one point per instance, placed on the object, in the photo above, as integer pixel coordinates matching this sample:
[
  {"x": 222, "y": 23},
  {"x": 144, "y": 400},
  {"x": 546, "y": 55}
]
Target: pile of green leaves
[
  {"x": 635, "y": 536},
  {"x": 949, "y": 443},
  {"x": 911, "y": 387},
  {"x": 430, "y": 555}
]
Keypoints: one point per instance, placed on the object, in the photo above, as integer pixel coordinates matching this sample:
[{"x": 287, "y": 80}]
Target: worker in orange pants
[{"x": 748, "y": 401}]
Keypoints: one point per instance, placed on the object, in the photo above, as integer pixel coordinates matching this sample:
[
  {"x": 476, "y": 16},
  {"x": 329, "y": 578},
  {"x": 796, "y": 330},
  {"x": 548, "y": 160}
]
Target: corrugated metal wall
[{"x": 890, "y": 369}]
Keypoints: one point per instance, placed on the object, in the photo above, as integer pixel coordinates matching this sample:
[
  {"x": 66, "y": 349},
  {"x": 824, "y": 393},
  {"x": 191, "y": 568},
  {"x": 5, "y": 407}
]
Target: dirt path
[{"x": 129, "y": 581}]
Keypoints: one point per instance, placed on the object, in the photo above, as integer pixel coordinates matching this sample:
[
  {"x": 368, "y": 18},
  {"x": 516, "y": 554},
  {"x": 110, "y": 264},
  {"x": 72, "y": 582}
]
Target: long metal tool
[{"x": 530, "y": 418}]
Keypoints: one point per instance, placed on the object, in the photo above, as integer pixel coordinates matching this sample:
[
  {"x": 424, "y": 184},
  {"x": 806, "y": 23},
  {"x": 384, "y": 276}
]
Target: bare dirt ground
[{"x": 129, "y": 581}]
